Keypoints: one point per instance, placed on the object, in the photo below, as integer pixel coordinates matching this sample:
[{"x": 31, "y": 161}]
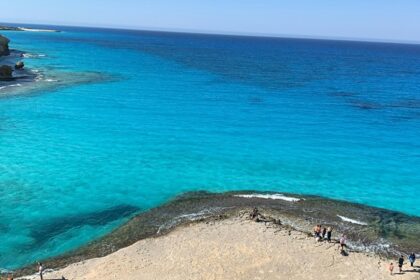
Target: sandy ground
[{"x": 231, "y": 249}]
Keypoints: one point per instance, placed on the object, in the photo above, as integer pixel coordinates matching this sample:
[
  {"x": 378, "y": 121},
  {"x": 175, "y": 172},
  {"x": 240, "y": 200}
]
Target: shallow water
[{"x": 179, "y": 112}]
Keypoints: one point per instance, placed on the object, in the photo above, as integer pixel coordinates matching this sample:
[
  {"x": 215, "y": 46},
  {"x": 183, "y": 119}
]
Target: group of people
[
  {"x": 411, "y": 259},
  {"x": 322, "y": 233},
  {"x": 325, "y": 233}
]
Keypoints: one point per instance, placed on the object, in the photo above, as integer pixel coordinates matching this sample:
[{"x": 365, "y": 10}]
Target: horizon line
[{"x": 225, "y": 33}]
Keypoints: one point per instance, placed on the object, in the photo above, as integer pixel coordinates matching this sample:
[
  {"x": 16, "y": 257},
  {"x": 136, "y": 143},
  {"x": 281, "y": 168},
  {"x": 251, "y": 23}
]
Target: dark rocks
[
  {"x": 19, "y": 65},
  {"x": 6, "y": 72},
  {"x": 10, "y": 28},
  {"x": 10, "y": 63},
  {"x": 4, "y": 46}
]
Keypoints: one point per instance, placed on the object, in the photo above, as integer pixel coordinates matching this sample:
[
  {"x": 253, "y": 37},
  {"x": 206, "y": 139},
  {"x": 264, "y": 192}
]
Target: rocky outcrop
[
  {"x": 9, "y": 28},
  {"x": 4, "y": 46},
  {"x": 19, "y": 65},
  {"x": 11, "y": 64},
  {"x": 6, "y": 72}
]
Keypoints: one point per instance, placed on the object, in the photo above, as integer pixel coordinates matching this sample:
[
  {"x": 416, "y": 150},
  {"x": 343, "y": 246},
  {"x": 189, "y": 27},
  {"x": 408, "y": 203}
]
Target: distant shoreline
[
  {"x": 216, "y": 33},
  {"x": 12, "y": 28}
]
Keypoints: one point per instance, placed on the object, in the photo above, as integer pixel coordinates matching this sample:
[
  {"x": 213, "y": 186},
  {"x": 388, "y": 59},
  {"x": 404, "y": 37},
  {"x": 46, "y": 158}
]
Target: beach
[{"x": 234, "y": 248}]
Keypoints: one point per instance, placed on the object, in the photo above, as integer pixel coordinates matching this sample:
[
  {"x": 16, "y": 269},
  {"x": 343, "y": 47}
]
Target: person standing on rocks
[
  {"x": 329, "y": 233},
  {"x": 412, "y": 259},
  {"x": 40, "y": 270},
  {"x": 343, "y": 240},
  {"x": 324, "y": 232}
]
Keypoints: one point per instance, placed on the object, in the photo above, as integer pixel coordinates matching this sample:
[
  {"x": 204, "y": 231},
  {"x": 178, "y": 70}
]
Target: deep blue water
[{"x": 181, "y": 112}]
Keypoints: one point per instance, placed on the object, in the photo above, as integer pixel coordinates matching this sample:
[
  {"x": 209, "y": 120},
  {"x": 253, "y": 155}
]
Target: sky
[{"x": 383, "y": 20}]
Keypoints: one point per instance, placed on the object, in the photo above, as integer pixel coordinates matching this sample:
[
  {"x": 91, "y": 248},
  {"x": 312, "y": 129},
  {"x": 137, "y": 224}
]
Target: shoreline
[
  {"x": 381, "y": 235},
  {"x": 230, "y": 247},
  {"x": 14, "y": 74},
  {"x": 19, "y": 28}
]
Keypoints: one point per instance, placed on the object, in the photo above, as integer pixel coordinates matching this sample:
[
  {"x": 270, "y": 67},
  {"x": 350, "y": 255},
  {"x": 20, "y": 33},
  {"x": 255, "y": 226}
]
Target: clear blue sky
[{"x": 396, "y": 20}]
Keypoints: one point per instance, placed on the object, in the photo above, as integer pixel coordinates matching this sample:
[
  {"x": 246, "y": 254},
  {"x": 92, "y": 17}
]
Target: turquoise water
[{"x": 179, "y": 112}]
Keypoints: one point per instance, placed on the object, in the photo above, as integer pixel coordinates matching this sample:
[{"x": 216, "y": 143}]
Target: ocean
[{"x": 121, "y": 121}]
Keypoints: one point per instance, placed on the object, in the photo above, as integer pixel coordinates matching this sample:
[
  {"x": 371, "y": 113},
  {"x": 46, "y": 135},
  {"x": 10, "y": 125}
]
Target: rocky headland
[
  {"x": 385, "y": 234},
  {"x": 243, "y": 235},
  {"x": 16, "y": 78},
  {"x": 11, "y": 64}
]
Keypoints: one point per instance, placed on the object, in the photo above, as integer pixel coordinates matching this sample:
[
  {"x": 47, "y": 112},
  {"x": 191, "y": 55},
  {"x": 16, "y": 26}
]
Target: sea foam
[
  {"x": 349, "y": 220},
  {"x": 31, "y": 55},
  {"x": 270, "y": 196},
  {"x": 12, "y": 85},
  {"x": 36, "y": 30}
]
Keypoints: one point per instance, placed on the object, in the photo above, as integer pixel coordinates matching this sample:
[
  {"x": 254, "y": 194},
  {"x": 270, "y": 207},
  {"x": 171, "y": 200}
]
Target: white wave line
[
  {"x": 270, "y": 196},
  {"x": 349, "y": 220}
]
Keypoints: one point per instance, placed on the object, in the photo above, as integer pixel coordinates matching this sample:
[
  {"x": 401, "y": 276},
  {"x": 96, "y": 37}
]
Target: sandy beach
[{"x": 234, "y": 248}]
